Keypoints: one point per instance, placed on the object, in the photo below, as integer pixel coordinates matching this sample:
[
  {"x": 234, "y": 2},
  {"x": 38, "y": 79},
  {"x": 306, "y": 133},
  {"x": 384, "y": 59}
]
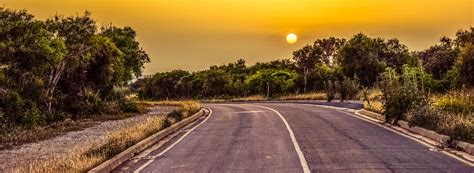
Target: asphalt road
[{"x": 255, "y": 138}]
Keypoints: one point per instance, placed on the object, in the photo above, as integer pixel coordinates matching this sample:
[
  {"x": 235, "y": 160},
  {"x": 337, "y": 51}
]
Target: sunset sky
[{"x": 192, "y": 35}]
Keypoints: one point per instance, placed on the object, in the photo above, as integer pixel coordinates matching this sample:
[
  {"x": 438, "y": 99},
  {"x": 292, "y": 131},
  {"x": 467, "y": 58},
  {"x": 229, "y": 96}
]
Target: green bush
[
  {"x": 464, "y": 131},
  {"x": 400, "y": 93},
  {"x": 456, "y": 102},
  {"x": 348, "y": 88},
  {"x": 457, "y": 126},
  {"x": 128, "y": 106},
  {"x": 19, "y": 111},
  {"x": 423, "y": 115},
  {"x": 330, "y": 90}
]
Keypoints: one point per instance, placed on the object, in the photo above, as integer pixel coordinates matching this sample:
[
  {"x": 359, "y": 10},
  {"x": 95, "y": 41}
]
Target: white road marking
[
  {"x": 420, "y": 141},
  {"x": 172, "y": 145},
  {"x": 303, "y": 162},
  {"x": 246, "y": 112}
]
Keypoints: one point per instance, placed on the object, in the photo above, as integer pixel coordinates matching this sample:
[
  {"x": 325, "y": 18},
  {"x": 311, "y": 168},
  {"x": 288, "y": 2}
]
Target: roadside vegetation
[
  {"x": 87, "y": 157},
  {"x": 63, "y": 74},
  {"x": 428, "y": 88}
]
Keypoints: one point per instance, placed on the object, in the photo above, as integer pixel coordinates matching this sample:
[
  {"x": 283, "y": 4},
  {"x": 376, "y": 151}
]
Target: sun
[{"x": 291, "y": 38}]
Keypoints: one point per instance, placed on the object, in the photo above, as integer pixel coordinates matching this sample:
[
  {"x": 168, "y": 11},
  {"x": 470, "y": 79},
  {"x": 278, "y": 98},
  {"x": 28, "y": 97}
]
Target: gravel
[{"x": 69, "y": 142}]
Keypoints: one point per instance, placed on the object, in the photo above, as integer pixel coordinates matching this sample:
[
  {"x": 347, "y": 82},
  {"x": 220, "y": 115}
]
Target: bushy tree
[
  {"x": 62, "y": 65},
  {"x": 306, "y": 58},
  {"x": 402, "y": 92},
  {"x": 367, "y": 57},
  {"x": 30, "y": 55},
  {"x": 440, "y": 58},
  {"x": 465, "y": 65},
  {"x": 134, "y": 56},
  {"x": 271, "y": 82}
]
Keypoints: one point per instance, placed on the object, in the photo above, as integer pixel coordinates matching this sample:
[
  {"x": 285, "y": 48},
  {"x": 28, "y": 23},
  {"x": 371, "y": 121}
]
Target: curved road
[{"x": 255, "y": 138}]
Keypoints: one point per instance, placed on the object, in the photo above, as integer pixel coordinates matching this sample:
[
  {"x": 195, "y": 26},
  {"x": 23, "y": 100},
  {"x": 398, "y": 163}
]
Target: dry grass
[
  {"x": 250, "y": 98},
  {"x": 85, "y": 158},
  {"x": 238, "y": 99},
  {"x": 373, "y": 100},
  {"x": 374, "y": 106},
  {"x": 187, "y": 107},
  {"x": 305, "y": 96},
  {"x": 15, "y": 136}
]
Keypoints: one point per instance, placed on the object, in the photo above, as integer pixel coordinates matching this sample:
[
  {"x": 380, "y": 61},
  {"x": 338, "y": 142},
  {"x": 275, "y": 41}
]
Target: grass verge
[{"x": 86, "y": 157}]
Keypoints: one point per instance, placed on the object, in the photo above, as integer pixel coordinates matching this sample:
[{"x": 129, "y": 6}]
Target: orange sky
[{"x": 192, "y": 34}]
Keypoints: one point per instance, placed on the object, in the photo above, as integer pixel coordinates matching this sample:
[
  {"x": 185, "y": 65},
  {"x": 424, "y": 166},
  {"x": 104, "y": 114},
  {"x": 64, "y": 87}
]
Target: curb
[
  {"x": 125, "y": 155},
  {"x": 440, "y": 138}
]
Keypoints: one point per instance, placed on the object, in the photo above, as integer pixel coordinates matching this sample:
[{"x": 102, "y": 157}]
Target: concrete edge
[
  {"x": 440, "y": 138},
  {"x": 125, "y": 155}
]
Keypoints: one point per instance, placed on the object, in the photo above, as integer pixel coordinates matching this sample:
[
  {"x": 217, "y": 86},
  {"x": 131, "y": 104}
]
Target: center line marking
[{"x": 303, "y": 162}]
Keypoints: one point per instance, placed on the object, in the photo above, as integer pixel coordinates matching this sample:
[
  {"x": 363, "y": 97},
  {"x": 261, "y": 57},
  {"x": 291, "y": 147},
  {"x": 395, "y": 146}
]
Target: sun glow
[{"x": 291, "y": 38}]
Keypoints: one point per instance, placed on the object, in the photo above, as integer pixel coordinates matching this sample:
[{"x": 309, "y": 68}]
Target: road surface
[{"x": 283, "y": 137}]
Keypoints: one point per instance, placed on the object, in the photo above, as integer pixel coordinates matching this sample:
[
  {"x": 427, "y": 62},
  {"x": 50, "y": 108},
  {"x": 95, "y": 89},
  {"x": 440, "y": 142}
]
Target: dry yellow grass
[
  {"x": 86, "y": 157},
  {"x": 305, "y": 96},
  {"x": 373, "y": 100},
  {"x": 250, "y": 98}
]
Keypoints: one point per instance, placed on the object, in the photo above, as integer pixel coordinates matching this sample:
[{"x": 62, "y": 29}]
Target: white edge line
[
  {"x": 301, "y": 157},
  {"x": 172, "y": 145},
  {"x": 420, "y": 141}
]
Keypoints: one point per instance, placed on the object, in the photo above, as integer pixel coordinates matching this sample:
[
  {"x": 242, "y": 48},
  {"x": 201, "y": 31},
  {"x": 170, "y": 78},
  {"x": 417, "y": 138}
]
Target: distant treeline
[
  {"x": 325, "y": 64},
  {"x": 63, "y": 67}
]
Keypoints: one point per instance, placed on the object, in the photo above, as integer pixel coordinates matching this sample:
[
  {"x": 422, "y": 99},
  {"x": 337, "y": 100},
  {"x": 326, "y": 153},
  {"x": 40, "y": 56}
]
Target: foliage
[
  {"x": 367, "y": 57},
  {"x": 348, "y": 89},
  {"x": 271, "y": 82},
  {"x": 62, "y": 65},
  {"x": 457, "y": 126},
  {"x": 465, "y": 65},
  {"x": 438, "y": 59},
  {"x": 401, "y": 92}
]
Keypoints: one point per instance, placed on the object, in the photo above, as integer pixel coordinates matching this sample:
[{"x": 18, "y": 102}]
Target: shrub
[
  {"x": 457, "y": 126},
  {"x": 455, "y": 102},
  {"x": 127, "y": 106},
  {"x": 330, "y": 89},
  {"x": 400, "y": 93},
  {"x": 19, "y": 111},
  {"x": 348, "y": 88}
]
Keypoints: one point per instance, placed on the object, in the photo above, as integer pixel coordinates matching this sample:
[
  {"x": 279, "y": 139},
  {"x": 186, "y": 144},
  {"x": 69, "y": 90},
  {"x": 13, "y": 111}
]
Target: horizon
[{"x": 216, "y": 33}]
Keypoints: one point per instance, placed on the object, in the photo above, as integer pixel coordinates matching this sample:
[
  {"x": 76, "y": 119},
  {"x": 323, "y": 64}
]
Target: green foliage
[
  {"x": 63, "y": 66},
  {"x": 367, "y": 57},
  {"x": 348, "y": 88},
  {"x": 401, "y": 92},
  {"x": 271, "y": 82},
  {"x": 465, "y": 65},
  {"x": 438, "y": 59},
  {"x": 459, "y": 126},
  {"x": 330, "y": 90},
  {"x": 455, "y": 102},
  {"x": 20, "y": 111}
]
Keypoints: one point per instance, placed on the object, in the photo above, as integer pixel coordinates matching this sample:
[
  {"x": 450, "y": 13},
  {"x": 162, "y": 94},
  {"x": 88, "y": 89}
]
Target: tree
[
  {"x": 271, "y": 82},
  {"x": 360, "y": 57},
  {"x": 106, "y": 68},
  {"x": 329, "y": 47},
  {"x": 70, "y": 73},
  {"x": 306, "y": 59},
  {"x": 134, "y": 56},
  {"x": 30, "y": 56},
  {"x": 464, "y": 37},
  {"x": 367, "y": 57},
  {"x": 465, "y": 65},
  {"x": 438, "y": 59}
]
